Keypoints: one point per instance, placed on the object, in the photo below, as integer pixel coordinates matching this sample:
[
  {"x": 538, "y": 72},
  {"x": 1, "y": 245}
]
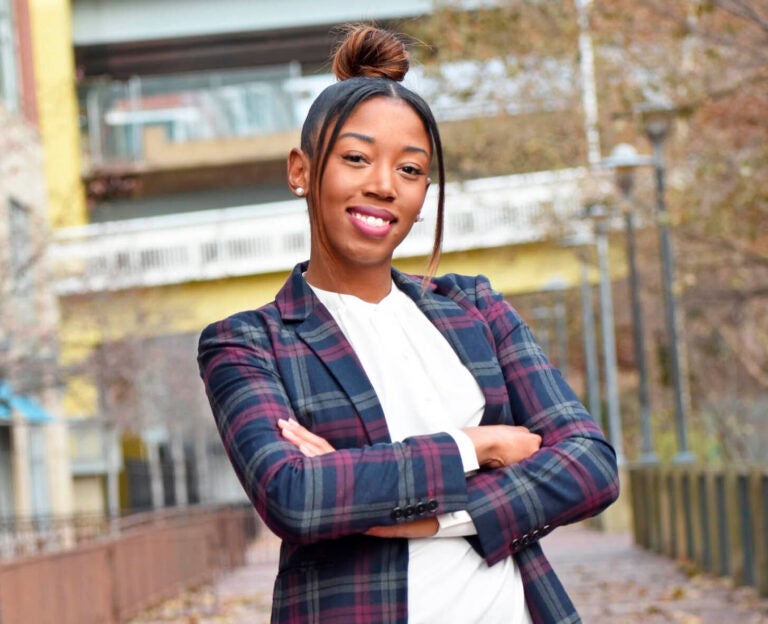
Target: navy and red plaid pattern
[{"x": 290, "y": 359}]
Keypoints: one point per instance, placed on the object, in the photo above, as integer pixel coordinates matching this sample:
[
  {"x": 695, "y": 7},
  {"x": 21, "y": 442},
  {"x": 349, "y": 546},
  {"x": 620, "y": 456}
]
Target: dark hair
[{"x": 370, "y": 62}]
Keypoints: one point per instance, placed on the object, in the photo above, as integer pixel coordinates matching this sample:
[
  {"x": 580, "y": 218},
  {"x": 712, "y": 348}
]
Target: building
[
  {"x": 165, "y": 168},
  {"x": 35, "y": 479}
]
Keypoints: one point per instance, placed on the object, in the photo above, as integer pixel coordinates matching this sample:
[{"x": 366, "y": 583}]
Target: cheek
[
  {"x": 335, "y": 189},
  {"x": 415, "y": 199}
]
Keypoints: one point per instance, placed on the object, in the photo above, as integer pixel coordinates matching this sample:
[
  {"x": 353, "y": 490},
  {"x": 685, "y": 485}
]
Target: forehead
[{"x": 388, "y": 118}]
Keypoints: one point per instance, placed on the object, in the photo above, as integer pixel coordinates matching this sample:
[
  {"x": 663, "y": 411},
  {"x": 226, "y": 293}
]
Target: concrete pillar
[
  {"x": 114, "y": 462},
  {"x": 155, "y": 474},
  {"x": 176, "y": 444},
  {"x": 22, "y": 484},
  {"x": 59, "y": 470},
  {"x": 203, "y": 467}
]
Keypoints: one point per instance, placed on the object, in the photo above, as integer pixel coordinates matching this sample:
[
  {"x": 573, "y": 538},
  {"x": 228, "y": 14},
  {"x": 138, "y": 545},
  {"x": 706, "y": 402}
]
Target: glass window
[
  {"x": 8, "y": 86},
  {"x": 20, "y": 243}
]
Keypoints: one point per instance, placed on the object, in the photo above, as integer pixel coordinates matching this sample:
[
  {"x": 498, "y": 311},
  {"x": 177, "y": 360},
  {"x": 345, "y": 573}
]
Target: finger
[
  {"x": 311, "y": 444},
  {"x": 308, "y": 451},
  {"x": 301, "y": 431},
  {"x": 291, "y": 436}
]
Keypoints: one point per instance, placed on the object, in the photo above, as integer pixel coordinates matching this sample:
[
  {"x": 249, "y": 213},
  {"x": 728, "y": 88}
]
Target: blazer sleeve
[
  {"x": 573, "y": 476},
  {"x": 306, "y": 499}
]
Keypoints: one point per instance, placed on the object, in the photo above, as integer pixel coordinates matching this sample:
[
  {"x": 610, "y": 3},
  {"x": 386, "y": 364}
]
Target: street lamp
[
  {"x": 600, "y": 215},
  {"x": 582, "y": 243},
  {"x": 657, "y": 122},
  {"x": 557, "y": 286},
  {"x": 624, "y": 159}
]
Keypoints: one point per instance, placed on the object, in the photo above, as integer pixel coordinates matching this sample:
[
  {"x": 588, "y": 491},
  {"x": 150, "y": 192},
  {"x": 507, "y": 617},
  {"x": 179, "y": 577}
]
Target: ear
[{"x": 298, "y": 171}]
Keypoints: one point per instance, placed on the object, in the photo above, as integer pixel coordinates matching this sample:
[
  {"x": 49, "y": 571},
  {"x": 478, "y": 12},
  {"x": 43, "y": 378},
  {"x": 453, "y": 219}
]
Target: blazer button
[
  {"x": 396, "y": 514},
  {"x": 421, "y": 509},
  {"x": 432, "y": 505},
  {"x": 409, "y": 511}
]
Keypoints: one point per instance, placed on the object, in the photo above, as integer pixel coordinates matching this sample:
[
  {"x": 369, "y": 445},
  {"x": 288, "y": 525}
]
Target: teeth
[{"x": 371, "y": 220}]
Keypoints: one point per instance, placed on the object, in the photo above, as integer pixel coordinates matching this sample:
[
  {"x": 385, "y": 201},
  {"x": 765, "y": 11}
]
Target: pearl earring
[{"x": 299, "y": 191}]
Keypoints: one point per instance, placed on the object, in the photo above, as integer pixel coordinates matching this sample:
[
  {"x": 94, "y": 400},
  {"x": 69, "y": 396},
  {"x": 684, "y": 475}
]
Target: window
[
  {"x": 20, "y": 243},
  {"x": 8, "y": 87}
]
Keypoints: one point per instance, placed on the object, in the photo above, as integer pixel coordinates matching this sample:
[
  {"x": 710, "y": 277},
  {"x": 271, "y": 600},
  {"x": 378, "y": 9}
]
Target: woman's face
[{"x": 373, "y": 186}]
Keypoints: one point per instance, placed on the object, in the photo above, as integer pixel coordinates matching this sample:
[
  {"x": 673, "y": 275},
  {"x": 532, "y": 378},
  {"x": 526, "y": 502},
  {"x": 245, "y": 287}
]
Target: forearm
[
  {"x": 349, "y": 491},
  {"x": 329, "y": 496},
  {"x": 574, "y": 474},
  {"x": 558, "y": 485}
]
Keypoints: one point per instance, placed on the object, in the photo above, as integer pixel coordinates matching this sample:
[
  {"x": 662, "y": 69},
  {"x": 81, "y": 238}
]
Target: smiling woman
[
  {"x": 370, "y": 195},
  {"x": 404, "y": 435}
]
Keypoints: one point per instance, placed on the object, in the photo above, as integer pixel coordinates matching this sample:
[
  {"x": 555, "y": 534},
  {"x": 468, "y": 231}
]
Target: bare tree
[
  {"x": 28, "y": 313},
  {"x": 709, "y": 60}
]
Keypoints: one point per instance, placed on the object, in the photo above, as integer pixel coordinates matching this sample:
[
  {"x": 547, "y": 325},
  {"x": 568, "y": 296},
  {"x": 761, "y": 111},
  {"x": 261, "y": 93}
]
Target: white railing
[{"x": 249, "y": 240}]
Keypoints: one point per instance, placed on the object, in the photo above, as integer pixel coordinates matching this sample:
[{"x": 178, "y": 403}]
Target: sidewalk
[{"x": 609, "y": 579}]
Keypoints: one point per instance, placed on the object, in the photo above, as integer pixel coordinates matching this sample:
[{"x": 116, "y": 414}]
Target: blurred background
[{"x": 607, "y": 165}]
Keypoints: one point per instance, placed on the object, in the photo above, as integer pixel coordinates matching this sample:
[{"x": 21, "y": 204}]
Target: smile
[{"x": 371, "y": 221}]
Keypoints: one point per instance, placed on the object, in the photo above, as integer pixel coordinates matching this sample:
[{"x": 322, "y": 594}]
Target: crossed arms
[{"x": 553, "y": 467}]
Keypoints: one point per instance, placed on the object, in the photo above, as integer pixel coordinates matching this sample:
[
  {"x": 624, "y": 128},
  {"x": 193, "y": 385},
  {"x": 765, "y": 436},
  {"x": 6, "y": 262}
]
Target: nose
[{"x": 381, "y": 183}]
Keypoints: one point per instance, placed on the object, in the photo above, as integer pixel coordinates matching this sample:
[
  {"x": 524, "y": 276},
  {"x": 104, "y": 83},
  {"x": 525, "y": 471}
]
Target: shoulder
[
  {"x": 475, "y": 288},
  {"x": 478, "y": 298},
  {"x": 248, "y": 323}
]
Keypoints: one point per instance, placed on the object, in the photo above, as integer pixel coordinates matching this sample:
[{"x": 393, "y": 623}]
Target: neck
[{"x": 370, "y": 284}]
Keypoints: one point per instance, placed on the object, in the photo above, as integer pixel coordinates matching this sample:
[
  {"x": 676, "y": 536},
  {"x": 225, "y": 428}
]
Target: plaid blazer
[{"x": 290, "y": 359}]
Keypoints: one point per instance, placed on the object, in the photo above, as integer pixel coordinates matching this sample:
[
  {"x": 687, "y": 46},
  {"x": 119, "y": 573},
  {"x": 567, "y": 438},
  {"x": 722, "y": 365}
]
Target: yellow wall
[
  {"x": 187, "y": 308},
  {"x": 103, "y": 317},
  {"x": 89, "y": 494},
  {"x": 57, "y": 104}
]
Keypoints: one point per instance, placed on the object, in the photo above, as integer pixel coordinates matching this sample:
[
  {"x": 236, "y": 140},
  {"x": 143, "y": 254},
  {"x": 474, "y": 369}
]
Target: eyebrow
[{"x": 370, "y": 139}]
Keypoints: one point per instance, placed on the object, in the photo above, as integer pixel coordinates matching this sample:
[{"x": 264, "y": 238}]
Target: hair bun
[{"x": 370, "y": 52}]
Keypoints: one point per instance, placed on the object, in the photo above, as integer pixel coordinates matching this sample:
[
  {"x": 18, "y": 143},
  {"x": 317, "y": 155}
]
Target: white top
[{"x": 424, "y": 388}]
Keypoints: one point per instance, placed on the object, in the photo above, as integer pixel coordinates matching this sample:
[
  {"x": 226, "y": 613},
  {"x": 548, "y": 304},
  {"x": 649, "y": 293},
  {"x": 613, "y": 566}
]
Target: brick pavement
[{"x": 610, "y": 580}]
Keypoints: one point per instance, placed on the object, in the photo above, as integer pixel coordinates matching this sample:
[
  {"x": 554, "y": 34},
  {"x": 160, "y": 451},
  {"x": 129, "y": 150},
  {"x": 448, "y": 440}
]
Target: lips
[{"x": 370, "y": 220}]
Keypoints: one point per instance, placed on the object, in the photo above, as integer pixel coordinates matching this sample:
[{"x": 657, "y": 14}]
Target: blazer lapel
[
  {"x": 320, "y": 332},
  {"x": 469, "y": 340}
]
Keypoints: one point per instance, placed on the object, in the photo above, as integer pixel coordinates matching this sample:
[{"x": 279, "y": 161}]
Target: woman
[{"x": 404, "y": 436}]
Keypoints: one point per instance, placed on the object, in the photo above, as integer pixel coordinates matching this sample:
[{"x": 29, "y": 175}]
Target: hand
[
  {"x": 502, "y": 445},
  {"x": 424, "y": 527},
  {"x": 309, "y": 444}
]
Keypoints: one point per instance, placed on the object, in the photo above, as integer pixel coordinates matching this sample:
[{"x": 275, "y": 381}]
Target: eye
[
  {"x": 354, "y": 158},
  {"x": 412, "y": 170}
]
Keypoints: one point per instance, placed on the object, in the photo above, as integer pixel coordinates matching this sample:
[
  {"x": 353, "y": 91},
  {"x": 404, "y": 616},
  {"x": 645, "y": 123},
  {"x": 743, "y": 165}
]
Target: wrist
[{"x": 483, "y": 443}]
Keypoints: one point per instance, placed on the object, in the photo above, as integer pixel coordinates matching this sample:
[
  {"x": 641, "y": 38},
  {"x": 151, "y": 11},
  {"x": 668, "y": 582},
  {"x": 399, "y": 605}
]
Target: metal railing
[
  {"x": 26, "y": 536},
  {"x": 225, "y": 104},
  {"x": 265, "y": 238},
  {"x": 202, "y": 106},
  {"x": 138, "y": 562},
  {"x": 714, "y": 518}
]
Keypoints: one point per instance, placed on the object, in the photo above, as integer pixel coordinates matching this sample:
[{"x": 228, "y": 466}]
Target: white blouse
[{"x": 424, "y": 388}]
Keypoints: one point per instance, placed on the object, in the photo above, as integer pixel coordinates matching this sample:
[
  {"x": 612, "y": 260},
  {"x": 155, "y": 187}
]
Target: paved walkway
[{"x": 610, "y": 580}]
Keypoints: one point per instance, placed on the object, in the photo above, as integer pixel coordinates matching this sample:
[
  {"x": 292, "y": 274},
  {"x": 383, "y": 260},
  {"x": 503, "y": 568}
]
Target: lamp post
[
  {"x": 624, "y": 159},
  {"x": 557, "y": 287},
  {"x": 590, "y": 350},
  {"x": 600, "y": 216},
  {"x": 582, "y": 244},
  {"x": 657, "y": 124}
]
